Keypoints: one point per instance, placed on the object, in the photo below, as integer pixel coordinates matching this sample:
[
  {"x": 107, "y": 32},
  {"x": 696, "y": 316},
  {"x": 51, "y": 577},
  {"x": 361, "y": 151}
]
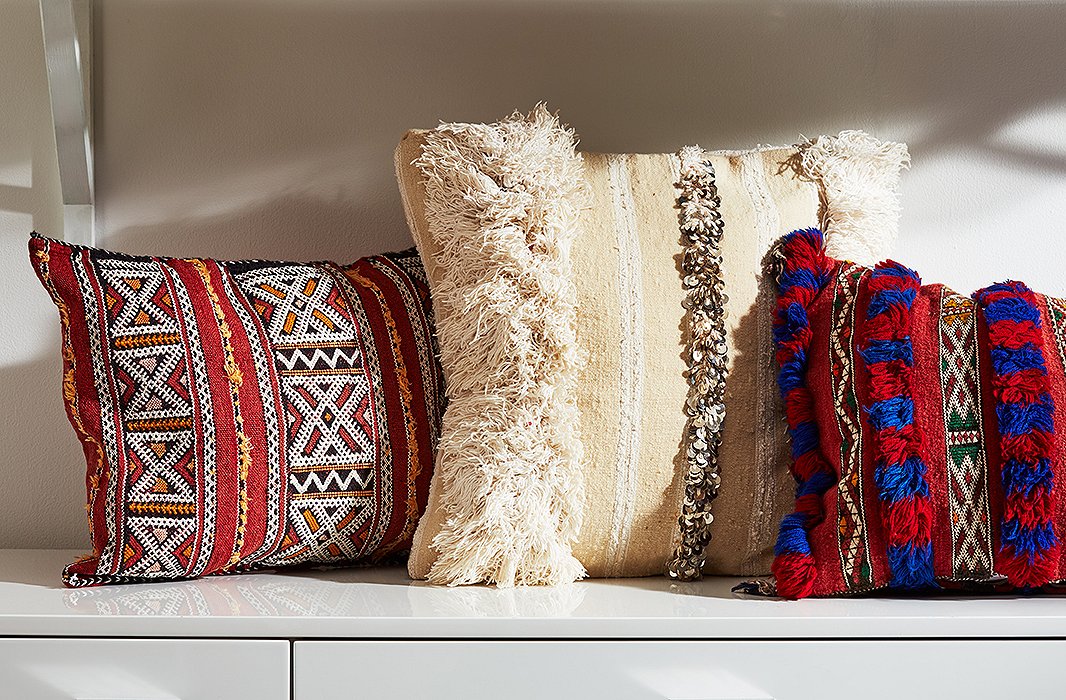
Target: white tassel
[
  {"x": 502, "y": 204},
  {"x": 860, "y": 177}
]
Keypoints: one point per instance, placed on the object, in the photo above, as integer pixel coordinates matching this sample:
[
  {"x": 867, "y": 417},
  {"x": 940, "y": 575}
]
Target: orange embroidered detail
[
  {"x": 406, "y": 399},
  {"x": 70, "y": 392},
  {"x": 244, "y": 445}
]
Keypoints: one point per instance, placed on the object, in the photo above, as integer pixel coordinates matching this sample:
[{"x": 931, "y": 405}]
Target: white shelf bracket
[{"x": 69, "y": 81}]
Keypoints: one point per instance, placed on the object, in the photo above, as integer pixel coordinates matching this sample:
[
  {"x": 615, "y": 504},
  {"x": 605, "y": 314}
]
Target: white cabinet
[
  {"x": 372, "y": 634},
  {"x": 690, "y": 670},
  {"x": 143, "y": 669}
]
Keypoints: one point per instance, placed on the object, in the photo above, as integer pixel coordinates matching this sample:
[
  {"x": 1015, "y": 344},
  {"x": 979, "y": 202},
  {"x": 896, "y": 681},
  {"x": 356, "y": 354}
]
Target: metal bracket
[{"x": 69, "y": 82}]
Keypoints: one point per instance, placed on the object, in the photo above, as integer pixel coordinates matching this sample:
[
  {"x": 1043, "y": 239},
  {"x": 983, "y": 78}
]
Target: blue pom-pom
[
  {"x": 896, "y": 482},
  {"x": 1021, "y": 418},
  {"x": 895, "y": 412},
  {"x": 888, "y": 350},
  {"x": 892, "y": 268},
  {"x": 1010, "y": 360},
  {"x": 804, "y": 438},
  {"x": 790, "y": 320},
  {"x": 792, "y": 536},
  {"x": 911, "y": 566},
  {"x": 1012, "y": 309},
  {"x": 803, "y": 277},
  {"x": 818, "y": 484},
  {"x": 881, "y": 300},
  {"x": 1022, "y": 477},
  {"x": 792, "y": 375},
  {"x": 1028, "y": 541}
]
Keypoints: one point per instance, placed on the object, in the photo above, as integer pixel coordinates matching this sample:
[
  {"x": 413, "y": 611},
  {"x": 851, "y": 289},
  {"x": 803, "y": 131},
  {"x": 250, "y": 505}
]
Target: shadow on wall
[
  {"x": 208, "y": 110},
  {"x": 41, "y": 472},
  {"x": 238, "y": 129}
]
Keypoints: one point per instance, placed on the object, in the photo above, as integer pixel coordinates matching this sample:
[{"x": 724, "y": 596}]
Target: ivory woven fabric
[
  {"x": 241, "y": 415},
  {"x": 632, "y": 325}
]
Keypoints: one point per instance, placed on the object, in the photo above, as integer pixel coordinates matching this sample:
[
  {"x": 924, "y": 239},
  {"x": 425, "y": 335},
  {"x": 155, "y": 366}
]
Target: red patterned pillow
[
  {"x": 240, "y": 415},
  {"x": 927, "y": 447}
]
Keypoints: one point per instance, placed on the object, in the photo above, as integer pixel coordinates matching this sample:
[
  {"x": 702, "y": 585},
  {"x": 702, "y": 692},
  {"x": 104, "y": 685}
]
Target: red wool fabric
[
  {"x": 244, "y": 415},
  {"x": 990, "y": 526}
]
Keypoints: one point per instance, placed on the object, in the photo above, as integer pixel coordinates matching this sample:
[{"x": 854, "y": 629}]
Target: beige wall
[{"x": 265, "y": 128}]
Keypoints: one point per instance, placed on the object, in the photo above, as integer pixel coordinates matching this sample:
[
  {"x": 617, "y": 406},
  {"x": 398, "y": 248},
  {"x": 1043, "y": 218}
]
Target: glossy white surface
[
  {"x": 752, "y": 670},
  {"x": 383, "y": 603},
  {"x": 143, "y": 669}
]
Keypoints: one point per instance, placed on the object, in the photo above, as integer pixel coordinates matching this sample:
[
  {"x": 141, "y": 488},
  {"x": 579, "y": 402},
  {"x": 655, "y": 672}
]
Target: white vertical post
[{"x": 68, "y": 84}]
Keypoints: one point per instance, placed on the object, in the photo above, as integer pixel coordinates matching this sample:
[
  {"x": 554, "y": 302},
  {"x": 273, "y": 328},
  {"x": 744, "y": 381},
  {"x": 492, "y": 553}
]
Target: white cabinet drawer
[
  {"x": 143, "y": 669},
  {"x": 621, "y": 670}
]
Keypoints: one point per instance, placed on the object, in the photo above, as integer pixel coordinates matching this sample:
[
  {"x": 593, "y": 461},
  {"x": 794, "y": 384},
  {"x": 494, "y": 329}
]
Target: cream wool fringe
[
  {"x": 860, "y": 181},
  {"x": 502, "y": 204}
]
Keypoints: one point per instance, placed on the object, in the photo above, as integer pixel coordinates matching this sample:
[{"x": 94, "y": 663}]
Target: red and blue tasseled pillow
[
  {"x": 926, "y": 446},
  {"x": 242, "y": 415}
]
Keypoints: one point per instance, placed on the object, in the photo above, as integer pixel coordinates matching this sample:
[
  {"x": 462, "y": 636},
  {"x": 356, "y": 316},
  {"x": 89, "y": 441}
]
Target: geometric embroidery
[
  {"x": 1057, "y": 312},
  {"x": 245, "y": 414},
  {"x": 967, "y": 460},
  {"x": 206, "y": 445},
  {"x": 330, "y": 426},
  {"x": 368, "y": 281},
  {"x": 151, "y": 372},
  {"x": 852, "y": 536},
  {"x": 390, "y": 273}
]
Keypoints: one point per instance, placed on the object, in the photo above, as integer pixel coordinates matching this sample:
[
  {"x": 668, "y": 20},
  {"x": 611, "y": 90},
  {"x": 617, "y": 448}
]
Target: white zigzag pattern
[
  {"x": 333, "y": 477},
  {"x": 336, "y": 357}
]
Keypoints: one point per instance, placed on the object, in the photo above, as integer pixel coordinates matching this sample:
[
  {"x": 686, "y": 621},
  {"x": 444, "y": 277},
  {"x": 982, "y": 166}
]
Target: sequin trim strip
[{"x": 701, "y": 230}]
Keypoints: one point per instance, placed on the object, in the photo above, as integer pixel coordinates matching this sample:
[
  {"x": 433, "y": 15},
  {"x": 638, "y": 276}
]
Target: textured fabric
[
  {"x": 510, "y": 453},
  {"x": 632, "y": 324},
  {"x": 237, "y": 415},
  {"x": 924, "y": 431}
]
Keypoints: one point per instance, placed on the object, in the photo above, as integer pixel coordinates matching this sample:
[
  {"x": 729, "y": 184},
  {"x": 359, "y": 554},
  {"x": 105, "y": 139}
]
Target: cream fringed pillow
[
  {"x": 648, "y": 268},
  {"x": 503, "y": 203}
]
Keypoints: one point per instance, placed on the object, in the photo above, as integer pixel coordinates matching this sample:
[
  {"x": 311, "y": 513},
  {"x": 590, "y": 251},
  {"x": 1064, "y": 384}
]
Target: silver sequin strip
[{"x": 701, "y": 229}]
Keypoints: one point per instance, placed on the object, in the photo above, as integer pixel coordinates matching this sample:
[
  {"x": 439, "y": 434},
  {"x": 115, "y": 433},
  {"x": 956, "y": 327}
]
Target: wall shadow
[
  {"x": 209, "y": 110},
  {"x": 42, "y": 473}
]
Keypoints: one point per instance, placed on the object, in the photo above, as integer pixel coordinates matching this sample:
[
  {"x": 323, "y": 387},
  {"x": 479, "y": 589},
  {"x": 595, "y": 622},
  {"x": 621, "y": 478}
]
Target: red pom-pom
[
  {"x": 809, "y": 464},
  {"x": 1031, "y": 512},
  {"x": 909, "y": 521},
  {"x": 799, "y": 407},
  {"x": 795, "y": 574},
  {"x": 1014, "y": 334},
  {"x": 1022, "y": 573},
  {"x": 1027, "y": 447},
  {"x": 810, "y": 505},
  {"x": 1025, "y": 386}
]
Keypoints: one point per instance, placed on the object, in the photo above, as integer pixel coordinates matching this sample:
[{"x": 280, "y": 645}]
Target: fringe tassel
[
  {"x": 502, "y": 203},
  {"x": 1026, "y": 415},
  {"x": 888, "y": 353},
  {"x": 859, "y": 176},
  {"x": 805, "y": 270}
]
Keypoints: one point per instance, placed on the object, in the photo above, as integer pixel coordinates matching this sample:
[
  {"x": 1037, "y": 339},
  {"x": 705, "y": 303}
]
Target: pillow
[
  {"x": 924, "y": 430},
  {"x": 240, "y": 415},
  {"x": 579, "y": 302}
]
